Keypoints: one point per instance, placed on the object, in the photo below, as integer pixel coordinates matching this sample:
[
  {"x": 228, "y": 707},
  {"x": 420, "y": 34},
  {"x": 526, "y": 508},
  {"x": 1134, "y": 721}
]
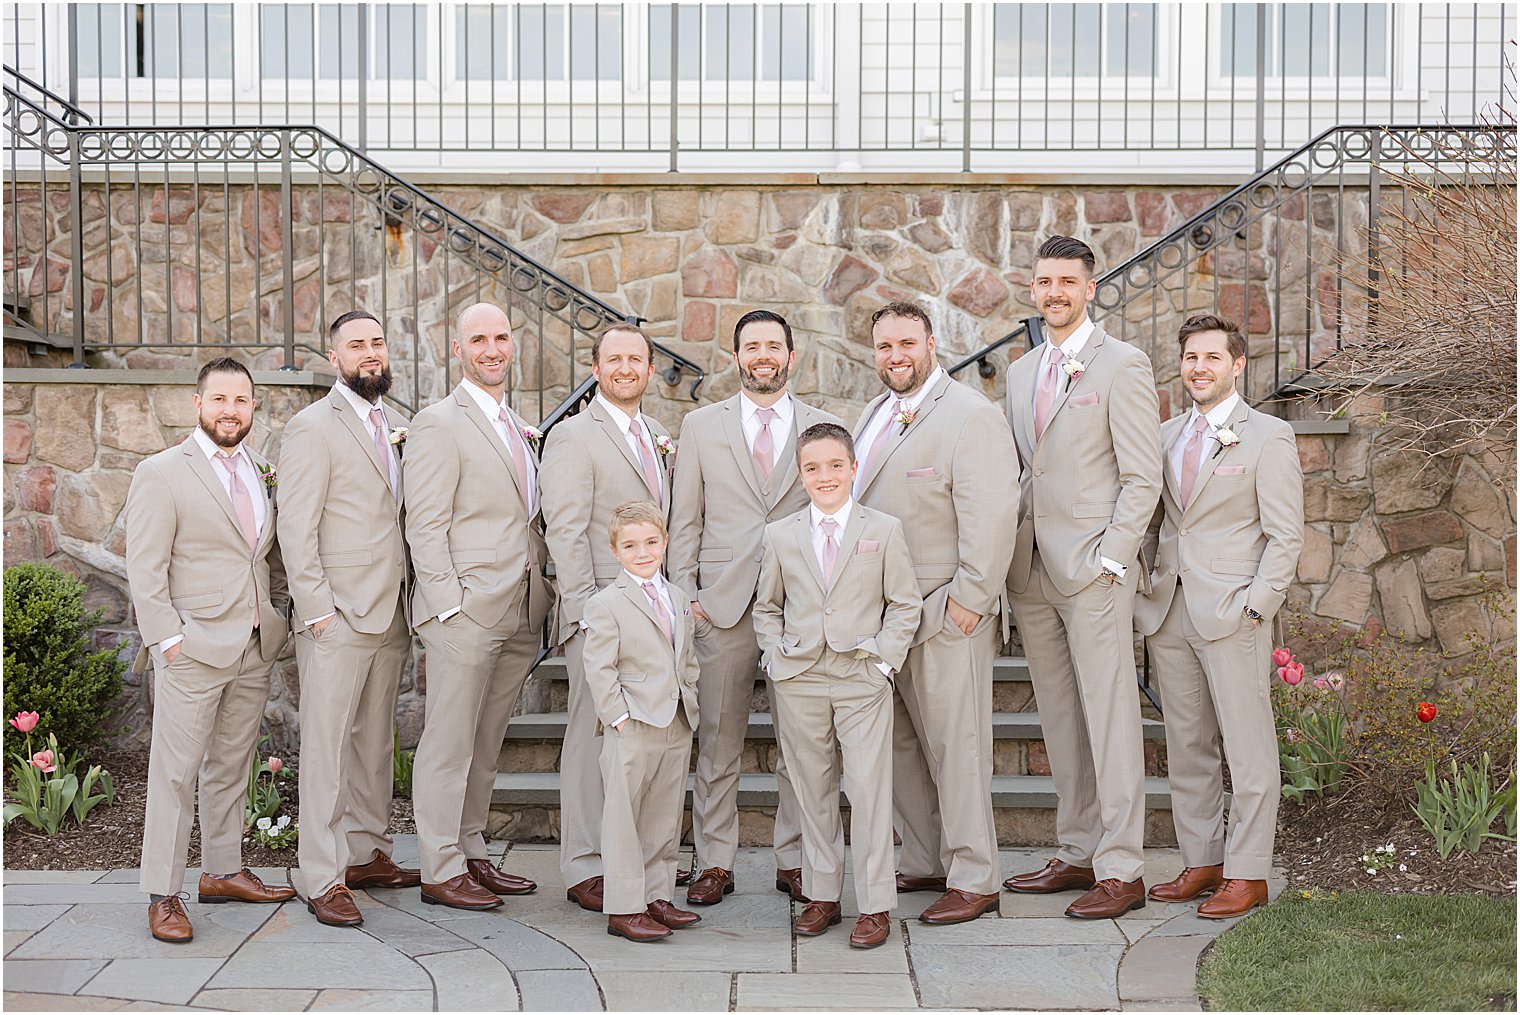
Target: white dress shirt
[
  {"x": 623, "y": 422},
  {"x": 781, "y": 426},
  {"x": 885, "y": 412},
  {"x": 252, "y": 482},
  {"x": 1216, "y": 416},
  {"x": 821, "y": 539},
  {"x": 663, "y": 591}
]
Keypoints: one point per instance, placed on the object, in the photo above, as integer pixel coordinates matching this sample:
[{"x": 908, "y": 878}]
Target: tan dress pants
[
  {"x": 580, "y": 776},
  {"x": 644, "y": 773}
]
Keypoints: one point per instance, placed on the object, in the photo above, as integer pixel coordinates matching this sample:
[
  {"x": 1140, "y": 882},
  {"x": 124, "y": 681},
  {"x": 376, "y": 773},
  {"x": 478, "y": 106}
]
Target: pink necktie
[
  {"x": 242, "y": 506},
  {"x": 1192, "y": 455},
  {"x": 646, "y": 462},
  {"x": 382, "y": 444},
  {"x": 882, "y": 436},
  {"x": 660, "y": 612},
  {"x": 519, "y": 456},
  {"x": 1045, "y": 396},
  {"x": 830, "y": 551},
  {"x": 764, "y": 451}
]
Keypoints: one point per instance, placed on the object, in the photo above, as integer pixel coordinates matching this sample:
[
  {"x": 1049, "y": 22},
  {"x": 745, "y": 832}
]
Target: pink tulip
[
  {"x": 1335, "y": 680},
  {"x": 25, "y": 721},
  {"x": 44, "y": 761},
  {"x": 1281, "y": 657},
  {"x": 275, "y": 764},
  {"x": 1320, "y": 683},
  {"x": 1292, "y": 673}
]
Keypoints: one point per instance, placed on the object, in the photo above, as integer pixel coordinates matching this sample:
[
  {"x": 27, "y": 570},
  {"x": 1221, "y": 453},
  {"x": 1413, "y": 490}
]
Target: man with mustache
[
  {"x": 479, "y": 601},
  {"x": 1084, "y": 414},
  {"x": 595, "y": 460},
  {"x": 205, "y": 574},
  {"x": 936, "y": 454},
  {"x": 341, "y": 536},
  {"x": 737, "y": 474}
]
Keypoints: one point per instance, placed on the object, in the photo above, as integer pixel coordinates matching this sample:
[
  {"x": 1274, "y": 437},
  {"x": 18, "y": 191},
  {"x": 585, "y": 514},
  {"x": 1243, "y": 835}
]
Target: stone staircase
[{"x": 525, "y": 803}]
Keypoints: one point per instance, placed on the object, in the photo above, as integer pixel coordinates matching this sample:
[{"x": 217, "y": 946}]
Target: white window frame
[
  {"x": 1033, "y": 87},
  {"x": 1401, "y": 47}
]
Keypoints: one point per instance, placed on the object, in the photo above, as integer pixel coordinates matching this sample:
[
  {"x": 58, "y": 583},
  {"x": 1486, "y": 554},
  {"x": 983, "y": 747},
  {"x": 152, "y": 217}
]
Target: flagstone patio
[{"x": 78, "y": 941}]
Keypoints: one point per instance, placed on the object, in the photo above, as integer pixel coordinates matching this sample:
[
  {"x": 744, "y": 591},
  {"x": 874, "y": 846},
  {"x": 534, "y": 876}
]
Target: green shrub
[
  {"x": 402, "y": 763},
  {"x": 48, "y": 666}
]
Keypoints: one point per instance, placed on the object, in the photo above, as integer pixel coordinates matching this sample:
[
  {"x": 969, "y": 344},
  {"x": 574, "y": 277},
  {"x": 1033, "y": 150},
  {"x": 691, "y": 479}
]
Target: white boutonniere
[
  {"x": 269, "y": 476},
  {"x": 905, "y": 418},
  {"x": 531, "y": 434},
  {"x": 664, "y": 445},
  {"x": 1226, "y": 437},
  {"x": 397, "y": 436},
  {"x": 1074, "y": 368}
]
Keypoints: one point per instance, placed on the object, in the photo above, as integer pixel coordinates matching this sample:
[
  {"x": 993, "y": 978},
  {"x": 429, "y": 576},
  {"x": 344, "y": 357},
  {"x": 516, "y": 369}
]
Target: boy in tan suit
[
  {"x": 641, "y": 675},
  {"x": 205, "y": 573},
  {"x": 595, "y": 460},
  {"x": 340, "y": 533},
  {"x": 836, "y": 609},
  {"x": 1226, "y": 539}
]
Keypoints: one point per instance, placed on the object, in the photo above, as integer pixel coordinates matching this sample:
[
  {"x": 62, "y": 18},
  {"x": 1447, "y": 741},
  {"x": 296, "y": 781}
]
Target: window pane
[
  {"x": 596, "y": 42},
  {"x": 1237, "y": 39},
  {"x": 540, "y": 31},
  {"x": 787, "y": 49},
  {"x": 1131, "y": 31},
  {"x": 1304, "y": 46},
  {"x": 285, "y": 32},
  {"x": 1363, "y": 39},
  {"x": 100, "y": 47},
  {"x": 1073, "y": 29},
  {"x": 729, "y": 43},
  {"x": 338, "y": 39},
  {"x": 689, "y": 42},
  {"x": 1018, "y": 32},
  {"x": 481, "y": 45}
]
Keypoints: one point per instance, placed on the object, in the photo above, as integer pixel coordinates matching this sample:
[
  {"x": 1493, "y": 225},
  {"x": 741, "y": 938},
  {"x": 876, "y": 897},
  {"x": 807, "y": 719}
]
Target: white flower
[
  {"x": 264, "y": 824},
  {"x": 1403, "y": 867},
  {"x": 1371, "y": 870},
  {"x": 1074, "y": 367},
  {"x": 284, "y": 820},
  {"x": 1226, "y": 437},
  {"x": 532, "y": 433},
  {"x": 398, "y": 435},
  {"x": 665, "y": 445}
]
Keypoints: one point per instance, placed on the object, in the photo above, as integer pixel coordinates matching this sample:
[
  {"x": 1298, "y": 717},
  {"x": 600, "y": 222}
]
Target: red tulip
[
  {"x": 1292, "y": 673},
  {"x": 44, "y": 761},
  {"x": 1281, "y": 657},
  {"x": 275, "y": 764},
  {"x": 25, "y": 721},
  {"x": 1425, "y": 712}
]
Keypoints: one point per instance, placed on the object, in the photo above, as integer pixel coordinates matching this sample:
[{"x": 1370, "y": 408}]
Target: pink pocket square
[
  {"x": 867, "y": 546},
  {"x": 1081, "y": 401},
  {"x": 920, "y": 473},
  {"x": 1230, "y": 470}
]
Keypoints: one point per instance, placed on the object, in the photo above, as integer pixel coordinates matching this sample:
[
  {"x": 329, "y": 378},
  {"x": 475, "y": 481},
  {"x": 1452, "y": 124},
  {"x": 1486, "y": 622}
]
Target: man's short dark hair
[
  {"x": 225, "y": 365},
  {"x": 1068, "y": 248},
  {"x": 1199, "y": 323},
  {"x": 762, "y": 316},
  {"x": 902, "y": 308},
  {"x": 632, "y": 329},
  {"x": 826, "y": 432},
  {"x": 352, "y": 315}
]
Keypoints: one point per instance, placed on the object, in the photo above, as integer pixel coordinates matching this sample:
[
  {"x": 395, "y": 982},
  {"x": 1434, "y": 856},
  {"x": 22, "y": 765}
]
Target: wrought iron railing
[
  {"x": 921, "y": 85},
  {"x": 174, "y": 242}
]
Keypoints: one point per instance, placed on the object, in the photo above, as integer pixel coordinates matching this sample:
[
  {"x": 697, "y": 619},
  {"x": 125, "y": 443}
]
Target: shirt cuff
[
  {"x": 620, "y": 720},
  {"x": 1113, "y": 565},
  {"x": 446, "y": 614},
  {"x": 312, "y": 623},
  {"x": 886, "y": 670},
  {"x": 169, "y": 643}
]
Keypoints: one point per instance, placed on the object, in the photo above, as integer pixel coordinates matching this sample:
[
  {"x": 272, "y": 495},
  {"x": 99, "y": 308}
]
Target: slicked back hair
[
  {"x": 1068, "y": 248},
  {"x": 225, "y": 365},
  {"x": 352, "y": 315},
  {"x": 759, "y": 317},
  {"x": 826, "y": 432},
  {"x": 1199, "y": 323},
  {"x": 902, "y": 308},
  {"x": 632, "y": 329}
]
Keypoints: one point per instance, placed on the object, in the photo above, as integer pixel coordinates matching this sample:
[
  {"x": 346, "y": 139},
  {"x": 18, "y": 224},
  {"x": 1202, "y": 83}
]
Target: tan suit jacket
[
  {"x": 949, "y": 479},
  {"x": 631, "y": 667},
  {"x": 1091, "y": 482},
  {"x": 870, "y": 610},
  {"x": 720, "y": 505},
  {"x": 589, "y": 470},
  {"x": 1237, "y": 542},
  {"x": 188, "y": 564},
  {"x": 340, "y": 525},
  {"x": 466, "y": 523}
]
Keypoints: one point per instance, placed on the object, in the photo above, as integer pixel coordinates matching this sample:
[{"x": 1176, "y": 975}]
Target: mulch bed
[
  {"x": 112, "y": 836},
  {"x": 1321, "y": 846}
]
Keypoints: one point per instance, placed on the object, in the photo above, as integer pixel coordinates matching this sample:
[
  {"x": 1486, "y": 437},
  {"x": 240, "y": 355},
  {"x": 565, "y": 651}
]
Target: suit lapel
[
  {"x": 472, "y": 412},
  {"x": 618, "y": 438},
  {"x": 1211, "y": 460},
  {"x": 804, "y": 534},
  {"x": 1092, "y": 350},
  {"x": 206, "y": 473},
  {"x": 788, "y": 458},
  {"x": 897, "y": 433},
  {"x": 266, "y": 535},
  {"x": 636, "y": 594},
  {"x": 733, "y": 434},
  {"x": 1170, "y": 430},
  {"x": 849, "y": 539},
  {"x": 352, "y": 424}
]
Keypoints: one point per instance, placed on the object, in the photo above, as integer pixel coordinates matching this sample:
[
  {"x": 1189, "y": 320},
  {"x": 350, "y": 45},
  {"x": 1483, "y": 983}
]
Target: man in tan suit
[
  {"x": 479, "y": 601},
  {"x": 595, "y": 460},
  {"x": 736, "y": 475},
  {"x": 1084, "y": 413},
  {"x": 205, "y": 575},
  {"x": 641, "y": 677},
  {"x": 937, "y": 455},
  {"x": 1225, "y": 540},
  {"x": 836, "y": 609},
  {"x": 344, "y": 551}
]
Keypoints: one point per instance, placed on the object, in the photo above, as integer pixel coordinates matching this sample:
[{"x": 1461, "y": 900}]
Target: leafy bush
[
  {"x": 48, "y": 665},
  {"x": 46, "y": 802},
  {"x": 1459, "y": 813},
  {"x": 402, "y": 763}
]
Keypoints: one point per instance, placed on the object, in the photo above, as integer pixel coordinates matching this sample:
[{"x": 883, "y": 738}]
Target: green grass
[{"x": 1364, "y": 951}]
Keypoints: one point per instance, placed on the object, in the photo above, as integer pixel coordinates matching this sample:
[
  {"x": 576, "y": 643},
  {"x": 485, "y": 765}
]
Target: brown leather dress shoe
[
  {"x": 956, "y": 906},
  {"x": 870, "y": 931},
  {"x": 168, "y": 921},
  {"x": 1236, "y": 897},
  {"x": 1109, "y": 898},
  {"x": 1191, "y": 883},
  {"x": 587, "y": 894},
  {"x": 789, "y": 880},
  {"x": 381, "y": 872},
  {"x": 710, "y": 886},
  {"x": 459, "y": 892},
  {"x": 816, "y": 917},
  {"x": 1055, "y": 876},
  {"x": 907, "y": 883},
  {"x": 663, "y": 911},
  {"x": 683, "y": 877},
  {"x": 335, "y": 907},
  {"x": 244, "y": 886},
  {"x": 488, "y": 876},
  {"x": 640, "y": 927}
]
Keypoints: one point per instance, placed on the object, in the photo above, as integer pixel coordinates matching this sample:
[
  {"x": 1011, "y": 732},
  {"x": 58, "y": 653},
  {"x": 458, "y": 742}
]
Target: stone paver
[{"x": 78, "y": 941}]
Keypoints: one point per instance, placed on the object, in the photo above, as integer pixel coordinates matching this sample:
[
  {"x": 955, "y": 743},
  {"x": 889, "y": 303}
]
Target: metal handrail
[{"x": 74, "y": 111}]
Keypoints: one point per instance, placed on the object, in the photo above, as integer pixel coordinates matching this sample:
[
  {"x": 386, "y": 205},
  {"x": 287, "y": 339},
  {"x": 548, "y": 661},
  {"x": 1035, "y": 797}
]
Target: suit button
[
  {"x": 1039, "y": 472},
  {"x": 829, "y": 610},
  {"x": 759, "y": 557},
  {"x": 1182, "y": 532}
]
